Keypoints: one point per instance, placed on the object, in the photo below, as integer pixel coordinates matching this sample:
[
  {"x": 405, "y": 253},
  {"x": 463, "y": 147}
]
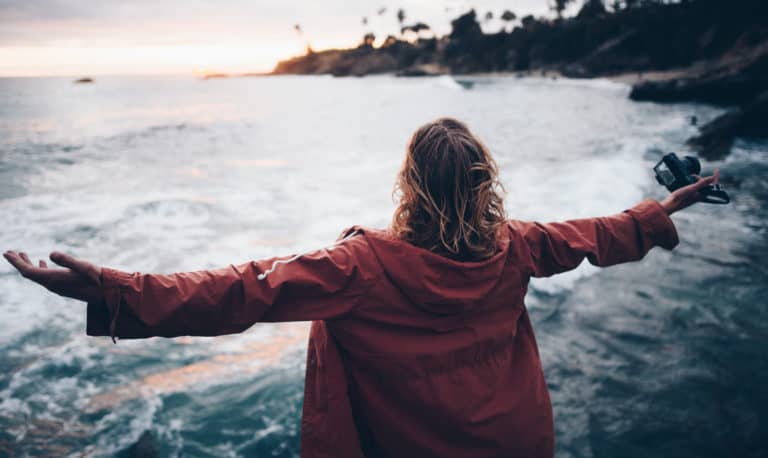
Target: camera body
[{"x": 675, "y": 173}]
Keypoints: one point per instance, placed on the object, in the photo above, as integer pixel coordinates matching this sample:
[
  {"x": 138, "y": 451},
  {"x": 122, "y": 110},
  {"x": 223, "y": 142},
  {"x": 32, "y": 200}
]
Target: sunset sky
[{"x": 77, "y": 37}]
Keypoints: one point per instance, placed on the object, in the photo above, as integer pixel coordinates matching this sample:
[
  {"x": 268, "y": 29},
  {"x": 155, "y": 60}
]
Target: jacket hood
[{"x": 434, "y": 283}]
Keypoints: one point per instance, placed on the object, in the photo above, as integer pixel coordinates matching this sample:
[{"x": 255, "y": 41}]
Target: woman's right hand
[
  {"x": 78, "y": 279},
  {"x": 688, "y": 195}
]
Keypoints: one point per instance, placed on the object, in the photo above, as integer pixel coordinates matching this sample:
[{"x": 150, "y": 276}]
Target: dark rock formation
[
  {"x": 734, "y": 79},
  {"x": 363, "y": 60},
  {"x": 424, "y": 70},
  {"x": 83, "y": 81},
  {"x": 716, "y": 138},
  {"x": 145, "y": 447}
]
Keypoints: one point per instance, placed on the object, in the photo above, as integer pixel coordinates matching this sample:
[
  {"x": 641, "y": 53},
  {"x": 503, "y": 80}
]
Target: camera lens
[{"x": 693, "y": 165}]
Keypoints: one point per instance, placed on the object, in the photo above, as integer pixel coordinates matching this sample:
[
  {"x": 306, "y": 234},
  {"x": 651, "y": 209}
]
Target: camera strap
[{"x": 715, "y": 194}]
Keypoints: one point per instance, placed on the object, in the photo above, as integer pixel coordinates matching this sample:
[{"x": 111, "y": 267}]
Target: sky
[{"x": 88, "y": 38}]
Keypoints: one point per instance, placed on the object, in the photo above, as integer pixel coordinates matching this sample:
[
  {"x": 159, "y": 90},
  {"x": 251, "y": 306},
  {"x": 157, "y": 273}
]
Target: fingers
[
  {"x": 67, "y": 261},
  {"x": 43, "y": 264},
  {"x": 704, "y": 182},
  {"x": 81, "y": 267},
  {"x": 16, "y": 260},
  {"x": 25, "y": 257}
]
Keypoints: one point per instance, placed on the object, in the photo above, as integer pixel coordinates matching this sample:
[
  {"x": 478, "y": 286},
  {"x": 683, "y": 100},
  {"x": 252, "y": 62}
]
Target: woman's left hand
[
  {"x": 689, "y": 195},
  {"x": 78, "y": 279}
]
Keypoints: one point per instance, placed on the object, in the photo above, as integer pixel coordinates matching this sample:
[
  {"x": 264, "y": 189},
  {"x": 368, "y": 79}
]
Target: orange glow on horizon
[{"x": 182, "y": 59}]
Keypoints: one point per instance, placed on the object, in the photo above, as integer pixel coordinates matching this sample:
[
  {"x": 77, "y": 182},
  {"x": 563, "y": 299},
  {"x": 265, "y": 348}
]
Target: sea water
[{"x": 664, "y": 357}]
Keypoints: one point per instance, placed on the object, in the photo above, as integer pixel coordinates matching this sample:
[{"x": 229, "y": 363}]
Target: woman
[{"x": 420, "y": 344}]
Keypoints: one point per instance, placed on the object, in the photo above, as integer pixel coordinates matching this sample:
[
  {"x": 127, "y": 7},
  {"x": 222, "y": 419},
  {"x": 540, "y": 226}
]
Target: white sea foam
[{"x": 447, "y": 81}]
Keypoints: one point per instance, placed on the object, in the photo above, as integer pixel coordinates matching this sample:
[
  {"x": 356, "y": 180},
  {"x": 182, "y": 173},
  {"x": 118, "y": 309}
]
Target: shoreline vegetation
[{"x": 703, "y": 51}]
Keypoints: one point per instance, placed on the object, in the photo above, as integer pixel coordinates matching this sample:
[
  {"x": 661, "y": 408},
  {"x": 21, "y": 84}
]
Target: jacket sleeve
[
  {"x": 323, "y": 284},
  {"x": 627, "y": 236}
]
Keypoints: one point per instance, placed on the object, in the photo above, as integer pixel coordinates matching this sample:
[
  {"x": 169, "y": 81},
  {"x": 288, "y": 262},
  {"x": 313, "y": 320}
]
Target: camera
[{"x": 674, "y": 173}]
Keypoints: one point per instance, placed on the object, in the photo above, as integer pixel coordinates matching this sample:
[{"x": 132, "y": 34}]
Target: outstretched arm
[
  {"x": 604, "y": 241},
  {"x": 323, "y": 284}
]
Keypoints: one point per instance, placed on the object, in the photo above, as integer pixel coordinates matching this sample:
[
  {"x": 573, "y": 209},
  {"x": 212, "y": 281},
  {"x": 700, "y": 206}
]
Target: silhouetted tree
[
  {"x": 381, "y": 10},
  {"x": 528, "y": 21},
  {"x": 368, "y": 40},
  {"x": 465, "y": 26},
  {"x": 365, "y": 20},
  {"x": 416, "y": 28},
  {"x": 508, "y": 16},
  {"x": 488, "y": 16},
  {"x": 389, "y": 41},
  {"x": 592, "y": 9},
  {"x": 560, "y": 6},
  {"x": 400, "y": 16}
]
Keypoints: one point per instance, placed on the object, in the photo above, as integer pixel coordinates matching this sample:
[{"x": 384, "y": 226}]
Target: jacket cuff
[
  {"x": 655, "y": 224},
  {"x": 101, "y": 316}
]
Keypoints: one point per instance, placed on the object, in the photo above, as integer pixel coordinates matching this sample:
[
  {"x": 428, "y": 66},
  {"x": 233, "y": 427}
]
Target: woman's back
[{"x": 439, "y": 356}]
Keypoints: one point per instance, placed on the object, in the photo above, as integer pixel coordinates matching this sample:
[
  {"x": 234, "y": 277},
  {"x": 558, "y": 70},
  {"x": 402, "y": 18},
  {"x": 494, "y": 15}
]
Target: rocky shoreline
[{"x": 693, "y": 51}]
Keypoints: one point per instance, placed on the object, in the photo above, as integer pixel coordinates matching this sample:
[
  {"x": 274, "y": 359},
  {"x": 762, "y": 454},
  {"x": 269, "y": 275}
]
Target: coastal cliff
[{"x": 704, "y": 50}]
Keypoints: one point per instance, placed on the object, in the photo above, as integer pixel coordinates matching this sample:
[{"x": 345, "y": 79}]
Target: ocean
[{"x": 666, "y": 357}]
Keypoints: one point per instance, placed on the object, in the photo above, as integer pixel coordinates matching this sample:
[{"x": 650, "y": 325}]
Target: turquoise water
[{"x": 666, "y": 357}]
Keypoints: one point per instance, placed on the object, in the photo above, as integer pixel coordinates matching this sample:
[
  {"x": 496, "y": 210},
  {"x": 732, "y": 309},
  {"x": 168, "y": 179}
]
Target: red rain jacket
[{"x": 410, "y": 353}]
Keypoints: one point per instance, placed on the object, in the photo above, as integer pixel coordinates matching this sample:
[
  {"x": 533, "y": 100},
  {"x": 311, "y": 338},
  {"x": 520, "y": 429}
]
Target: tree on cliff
[
  {"x": 592, "y": 9},
  {"x": 465, "y": 26},
  {"x": 368, "y": 40},
  {"x": 559, "y": 6},
  {"x": 416, "y": 29},
  {"x": 400, "y": 16},
  {"x": 508, "y": 16}
]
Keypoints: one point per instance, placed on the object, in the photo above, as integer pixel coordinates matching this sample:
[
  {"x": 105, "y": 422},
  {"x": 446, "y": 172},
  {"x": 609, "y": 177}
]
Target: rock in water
[
  {"x": 145, "y": 447},
  {"x": 717, "y": 136}
]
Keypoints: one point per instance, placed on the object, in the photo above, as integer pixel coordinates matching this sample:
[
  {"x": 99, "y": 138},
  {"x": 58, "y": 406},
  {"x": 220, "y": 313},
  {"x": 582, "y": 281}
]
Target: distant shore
[{"x": 696, "y": 51}]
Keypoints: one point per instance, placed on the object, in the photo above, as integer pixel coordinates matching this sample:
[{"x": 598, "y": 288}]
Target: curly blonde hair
[{"x": 450, "y": 197}]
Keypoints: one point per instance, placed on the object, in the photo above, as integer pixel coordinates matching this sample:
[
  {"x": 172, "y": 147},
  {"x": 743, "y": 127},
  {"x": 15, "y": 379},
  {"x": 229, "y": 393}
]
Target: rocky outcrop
[
  {"x": 733, "y": 79},
  {"x": 145, "y": 447},
  {"x": 424, "y": 70},
  {"x": 363, "y": 60},
  {"x": 717, "y": 137}
]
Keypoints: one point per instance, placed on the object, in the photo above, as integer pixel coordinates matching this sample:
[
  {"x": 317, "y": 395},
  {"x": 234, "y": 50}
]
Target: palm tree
[
  {"x": 368, "y": 40},
  {"x": 560, "y": 6},
  {"x": 508, "y": 16},
  {"x": 416, "y": 28}
]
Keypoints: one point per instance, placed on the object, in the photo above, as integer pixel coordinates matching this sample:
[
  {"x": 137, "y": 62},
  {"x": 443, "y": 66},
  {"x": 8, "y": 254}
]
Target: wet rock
[
  {"x": 735, "y": 80},
  {"x": 717, "y": 137},
  {"x": 145, "y": 447},
  {"x": 424, "y": 70}
]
